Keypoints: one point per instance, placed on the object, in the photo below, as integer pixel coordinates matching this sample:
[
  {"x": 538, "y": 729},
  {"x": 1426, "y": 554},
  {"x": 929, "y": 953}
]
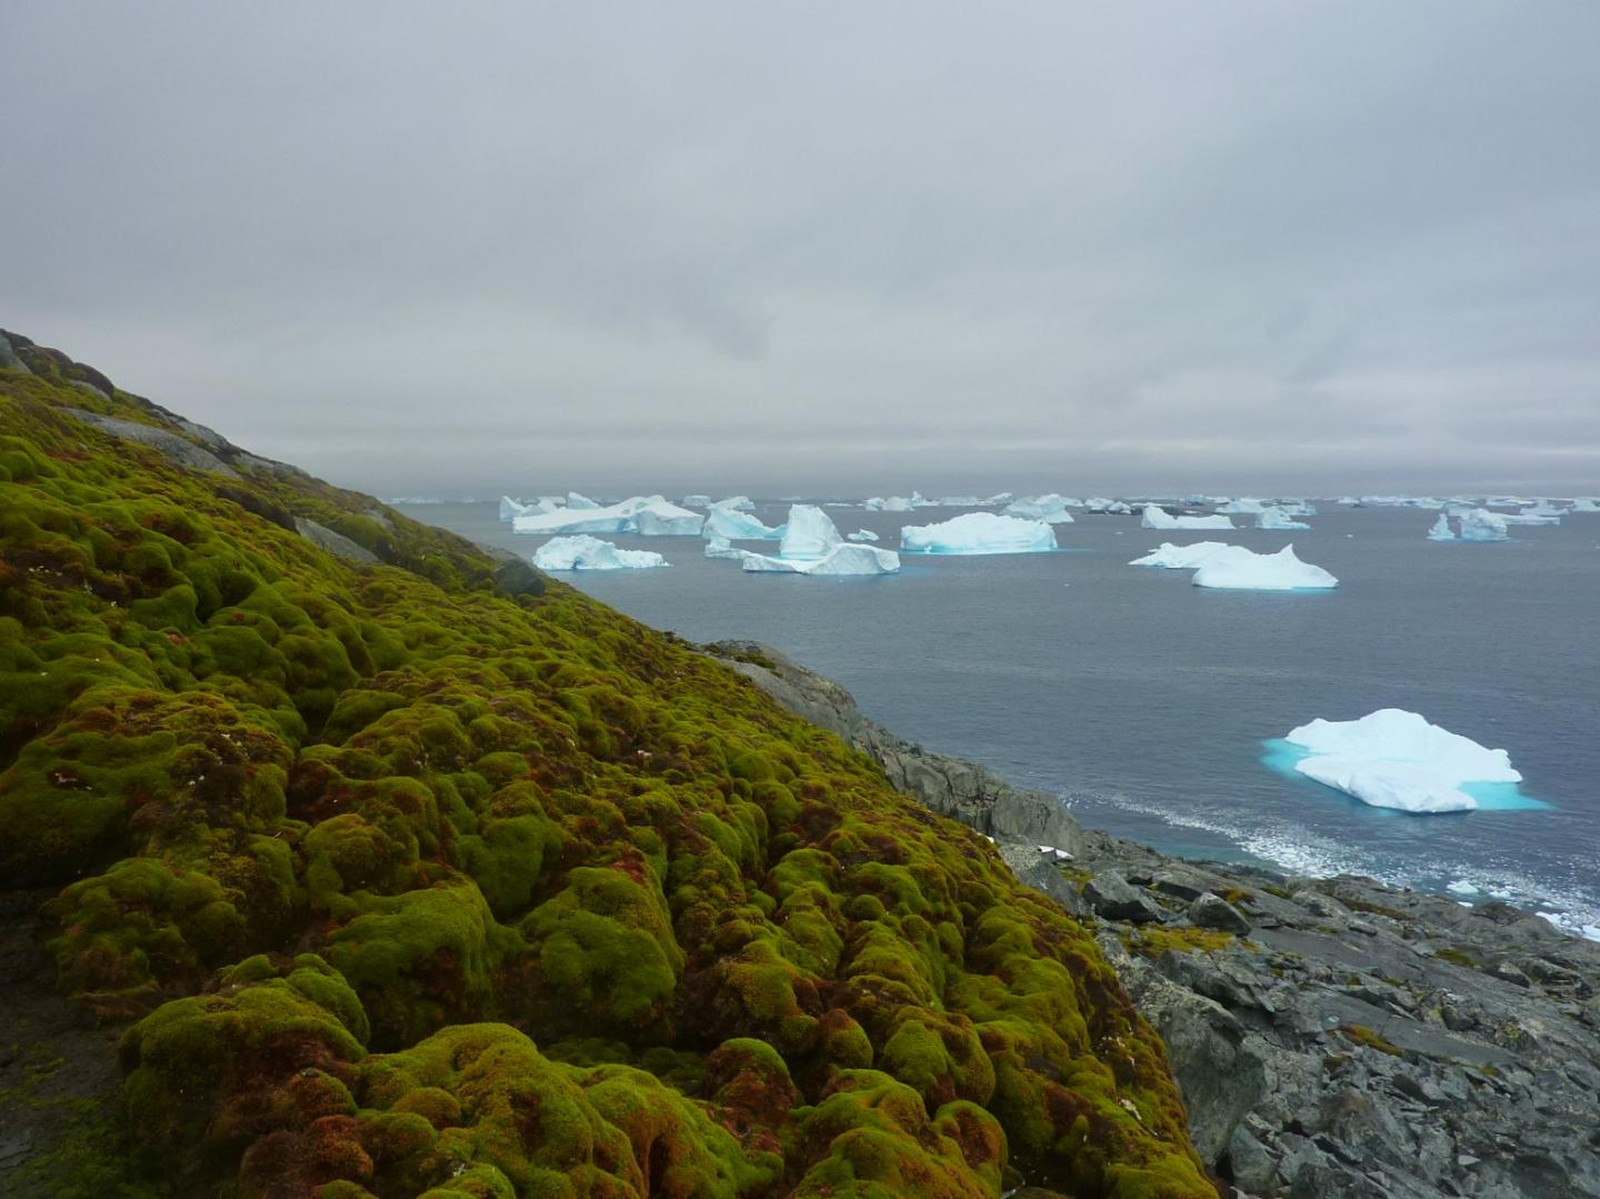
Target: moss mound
[{"x": 407, "y": 882}]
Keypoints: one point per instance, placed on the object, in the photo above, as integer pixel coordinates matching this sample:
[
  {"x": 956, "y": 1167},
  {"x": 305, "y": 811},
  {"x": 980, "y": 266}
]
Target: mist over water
[{"x": 1150, "y": 705}]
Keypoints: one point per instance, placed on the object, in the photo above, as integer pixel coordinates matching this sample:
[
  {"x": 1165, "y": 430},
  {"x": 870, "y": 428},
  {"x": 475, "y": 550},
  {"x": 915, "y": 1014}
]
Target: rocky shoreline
[{"x": 1332, "y": 1038}]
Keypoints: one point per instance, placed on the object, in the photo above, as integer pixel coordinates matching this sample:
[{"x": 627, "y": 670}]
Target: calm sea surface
[{"x": 1145, "y": 702}]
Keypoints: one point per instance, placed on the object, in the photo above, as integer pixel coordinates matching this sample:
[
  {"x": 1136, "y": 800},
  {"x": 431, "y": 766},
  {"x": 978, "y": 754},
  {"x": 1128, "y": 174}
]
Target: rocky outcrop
[
  {"x": 181, "y": 450},
  {"x": 8, "y": 355},
  {"x": 1332, "y": 1038},
  {"x": 334, "y": 542}
]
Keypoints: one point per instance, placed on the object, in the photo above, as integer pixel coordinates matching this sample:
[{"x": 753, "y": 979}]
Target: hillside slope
[{"x": 399, "y": 870}]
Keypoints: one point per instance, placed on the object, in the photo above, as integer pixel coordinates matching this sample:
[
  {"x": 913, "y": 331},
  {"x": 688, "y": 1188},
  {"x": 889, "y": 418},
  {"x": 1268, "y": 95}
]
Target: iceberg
[
  {"x": 641, "y": 514},
  {"x": 895, "y": 503},
  {"x": 661, "y": 519},
  {"x": 574, "y": 500},
  {"x": 739, "y": 503},
  {"x": 695, "y": 501},
  {"x": 1393, "y": 758},
  {"x": 842, "y": 560},
  {"x": 1181, "y": 557},
  {"x": 510, "y": 508},
  {"x": 1107, "y": 507},
  {"x": 1243, "y": 506},
  {"x": 583, "y": 552},
  {"x": 1528, "y": 518},
  {"x": 1543, "y": 508},
  {"x": 1244, "y": 570},
  {"x": 736, "y": 525},
  {"x": 1441, "y": 530},
  {"x": 1273, "y": 517},
  {"x": 862, "y": 535},
  {"x": 721, "y": 547},
  {"x": 1156, "y": 517},
  {"x": 809, "y": 533},
  {"x": 979, "y": 533},
  {"x": 1052, "y": 509},
  {"x": 1585, "y": 505},
  {"x": 1482, "y": 525}
]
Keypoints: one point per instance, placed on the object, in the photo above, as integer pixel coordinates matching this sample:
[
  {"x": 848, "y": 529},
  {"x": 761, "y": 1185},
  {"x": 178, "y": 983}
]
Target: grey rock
[
  {"x": 334, "y": 542},
  {"x": 1113, "y": 897},
  {"x": 179, "y": 449},
  {"x": 518, "y": 576},
  {"x": 8, "y": 356},
  {"x": 1213, "y": 911}
]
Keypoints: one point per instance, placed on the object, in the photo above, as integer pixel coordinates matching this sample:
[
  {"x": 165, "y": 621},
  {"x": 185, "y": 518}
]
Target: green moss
[
  {"x": 1154, "y": 940},
  {"x": 1360, "y": 1034},
  {"x": 222, "y": 742}
]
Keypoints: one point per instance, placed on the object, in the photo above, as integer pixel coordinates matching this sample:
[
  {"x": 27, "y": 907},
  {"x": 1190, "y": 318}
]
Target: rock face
[{"x": 1332, "y": 1038}]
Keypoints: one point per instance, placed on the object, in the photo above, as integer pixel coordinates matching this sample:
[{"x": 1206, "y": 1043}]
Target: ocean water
[{"x": 1151, "y": 706}]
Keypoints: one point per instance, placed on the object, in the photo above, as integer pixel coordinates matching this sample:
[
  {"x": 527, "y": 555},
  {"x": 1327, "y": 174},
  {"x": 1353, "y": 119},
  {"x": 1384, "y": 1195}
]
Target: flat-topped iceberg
[
  {"x": 1392, "y": 758},
  {"x": 1441, "y": 530},
  {"x": 979, "y": 533},
  {"x": 1243, "y": 506},
  {"x": 1585, "y": 504},
  {"x": 1530, "y": 518},
  {"x": 650, "y": 514},
  {"x": 736, "y": 525},
  {"x": 583, "y": 552},
  {"x": 1274, "y": 517},
  {"x": 1482, "y": 525},
  {"x": 846, "y": 558},
  {"x": 721, "y": 547},
  {"x": 1181, "y": 557},
  {"x": 1240, "y": 569},
  {"x": 1157, "y": 517}
]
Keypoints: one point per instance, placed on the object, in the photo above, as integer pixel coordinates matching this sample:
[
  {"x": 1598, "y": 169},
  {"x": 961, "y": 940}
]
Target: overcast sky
[{"x": 1288, "y": 247}]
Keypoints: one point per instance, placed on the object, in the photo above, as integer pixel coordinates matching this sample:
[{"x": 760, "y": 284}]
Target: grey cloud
[{"x": 832, "y": 249}]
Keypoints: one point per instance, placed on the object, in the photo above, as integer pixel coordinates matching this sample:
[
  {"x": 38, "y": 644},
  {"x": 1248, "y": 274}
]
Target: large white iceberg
[
  {"x": 1482, "y": 525},
  {"x": 1274, "y": 517},
  {"x": 1392, "y": 758},
  {"x": 1240, "y": 569},
  {"x": 1157, "y": 517},
  {"x": 583, "y": 552},
  {"x": 650, "y": 514},
  {"x": 1441, "y": 530},
  {"x": 979, "y": 533},
  {"x": 736, "y": 525},
  {"x": 846, "y": 558},
  {"x": 808, "y": 533},
  {"x": 1181, "y": 557}
]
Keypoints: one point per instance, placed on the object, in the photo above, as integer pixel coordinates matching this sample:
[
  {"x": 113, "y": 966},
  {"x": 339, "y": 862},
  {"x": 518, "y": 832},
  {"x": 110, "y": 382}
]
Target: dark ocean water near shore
[{"x": 1148, "y": 703}]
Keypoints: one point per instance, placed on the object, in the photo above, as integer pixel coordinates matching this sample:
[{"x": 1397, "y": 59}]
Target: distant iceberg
[
  {"x": 1274, "y": 517},
  {"x": 651, "y": 515},
  {"x": 1157, "y": 517},
  {"x": 721, "y": 547},
  {"x": 979, "y": 533},
  {"x": 862, "y": 535},
  {"x": 1099, "y": 504},
  {"x": 894, "y": 503},
  {"x": 583, "y": 552},
  {"x": 1392, "y": 758},
  {"x": 738, "y": 503},
  {"x": 695, "y": 501},
  {"x": 843, "y": 559},
  {"x": 1482, "y": 525},
  {"x": 1441, "y": 530},
  {"x": 1529, "y": 518},
  {"x": 1052, "y": 509},
  {"x": 1181, "y": 557},
  {"x": 736, "y": 525},
  {"x": 574, "y": 500},
  {"x": 510, "y": 509},
  {"x": 1240, "y": 569},
  {"x": 1585, "y": 505},
  {"x": 1243, "y": 506}
]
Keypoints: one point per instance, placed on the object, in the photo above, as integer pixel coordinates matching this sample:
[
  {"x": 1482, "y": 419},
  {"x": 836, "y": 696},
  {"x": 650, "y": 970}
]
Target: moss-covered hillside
[{"x": 414, "y": 877}]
